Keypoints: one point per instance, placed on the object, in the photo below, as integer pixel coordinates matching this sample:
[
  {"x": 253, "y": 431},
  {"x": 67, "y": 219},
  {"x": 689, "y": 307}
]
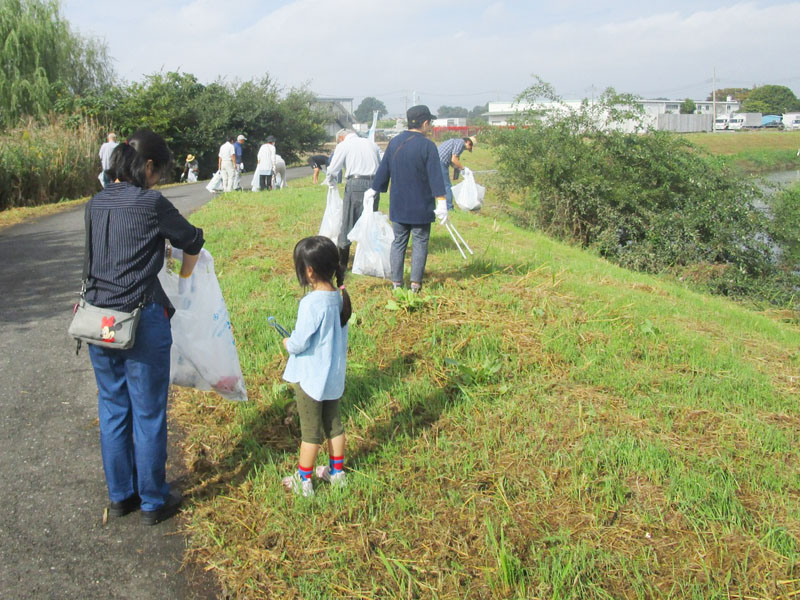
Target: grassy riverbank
[
  {"x": 753, "y": 151},
  {"x": 538, "y": 424}
]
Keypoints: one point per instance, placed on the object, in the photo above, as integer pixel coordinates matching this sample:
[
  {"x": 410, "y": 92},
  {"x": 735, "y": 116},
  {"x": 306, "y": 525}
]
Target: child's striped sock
[
  {"x": 336, "y": 464},
  {"x": 305, "y": 473}
]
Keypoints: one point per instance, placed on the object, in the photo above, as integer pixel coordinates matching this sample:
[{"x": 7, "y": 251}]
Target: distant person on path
[
  {"x": 129, "y": 223},
  {"x": 226, "y": 163},
  {"x": 411, "y": 162},
  {"x": 238, "y": 148},
  {"x": 190, "y": 169},
  {"x": 105, "y": 155},
  {"x": 360, "y": 158},
  {"x": 450, "y": 154},
  {"x": 267, "y": 159},
  {"x": 317, "y": 359},
  {"x": 317, "y": 162}
]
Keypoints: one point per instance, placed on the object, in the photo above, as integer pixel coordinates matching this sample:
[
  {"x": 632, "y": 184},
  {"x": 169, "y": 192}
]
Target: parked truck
[
  {"x": 745, "y": 120},
  {"x": 771, "y": 122},
  {"x": 721, "y": 122},
  {"x": 791, "y": 121}
]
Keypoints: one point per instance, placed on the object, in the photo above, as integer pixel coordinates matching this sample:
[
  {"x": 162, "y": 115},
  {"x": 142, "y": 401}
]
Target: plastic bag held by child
[
  {"x": 203, "y": 352},
  {"x": 332, "y": 219},
  {"x": 374, "y": 236},
  {"x": 468, "y": 195}
]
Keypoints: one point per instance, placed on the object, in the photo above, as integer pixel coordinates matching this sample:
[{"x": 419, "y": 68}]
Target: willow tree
[{"x": 42, "y": 59}]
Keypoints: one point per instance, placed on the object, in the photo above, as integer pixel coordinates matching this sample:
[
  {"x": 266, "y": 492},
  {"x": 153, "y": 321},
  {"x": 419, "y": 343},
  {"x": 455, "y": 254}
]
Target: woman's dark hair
[
  {"x": 129, "y": 160},
  {"x": 322, "y": 255}
]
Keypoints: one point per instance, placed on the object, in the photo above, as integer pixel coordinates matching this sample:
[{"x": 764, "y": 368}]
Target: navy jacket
[{"x": 411, "y": 161}]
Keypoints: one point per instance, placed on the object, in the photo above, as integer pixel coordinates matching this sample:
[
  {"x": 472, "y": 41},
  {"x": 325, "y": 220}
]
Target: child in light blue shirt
[{"x": 317, "y": 359}]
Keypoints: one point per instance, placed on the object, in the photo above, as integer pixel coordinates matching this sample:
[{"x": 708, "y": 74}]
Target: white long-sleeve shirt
[
  {"x": 266, "y": 159},
  {"x": 357, "y": 155},
  {"x": 105, "y": 154}
]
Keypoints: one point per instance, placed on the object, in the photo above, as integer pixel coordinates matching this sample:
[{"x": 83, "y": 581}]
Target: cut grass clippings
[{"x": 540, "y": 424}]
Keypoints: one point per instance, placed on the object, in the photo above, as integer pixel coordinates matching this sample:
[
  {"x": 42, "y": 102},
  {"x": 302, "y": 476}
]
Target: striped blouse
[{"x": 128, "y": 228}]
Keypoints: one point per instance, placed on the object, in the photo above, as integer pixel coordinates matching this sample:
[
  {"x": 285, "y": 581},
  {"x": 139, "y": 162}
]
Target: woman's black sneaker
[
  {"x": 120, "y": 509},
  {"x": 170, "y": 508}
]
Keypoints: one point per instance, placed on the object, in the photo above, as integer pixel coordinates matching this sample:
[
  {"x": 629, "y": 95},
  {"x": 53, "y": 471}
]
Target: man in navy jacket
[{"x": 411, "y": 162}]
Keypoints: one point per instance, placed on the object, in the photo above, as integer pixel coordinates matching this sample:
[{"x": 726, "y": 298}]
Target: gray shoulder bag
[{"x": 101, "y": 326}]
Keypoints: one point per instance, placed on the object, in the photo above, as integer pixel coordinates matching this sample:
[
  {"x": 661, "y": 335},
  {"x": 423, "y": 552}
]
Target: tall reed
[{"x": 44, "y": 162}]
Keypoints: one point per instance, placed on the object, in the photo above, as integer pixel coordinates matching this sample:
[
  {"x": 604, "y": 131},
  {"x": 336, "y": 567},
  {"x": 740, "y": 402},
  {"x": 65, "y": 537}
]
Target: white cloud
[{"x": 457, "y": 55}]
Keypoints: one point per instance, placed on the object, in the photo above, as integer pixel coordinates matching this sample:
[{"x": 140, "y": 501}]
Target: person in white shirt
[
  {"x": 360, "y": 158},
  {"x": 226, "y": 163},
  {"x": 266, "y": 163},
  {"x": 105, "y": 156}
]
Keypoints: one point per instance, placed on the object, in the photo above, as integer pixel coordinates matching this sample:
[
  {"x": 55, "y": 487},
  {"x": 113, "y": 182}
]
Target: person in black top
[
  {"x": 317, "y": 162},
  {"x": 129, "y": 223}
]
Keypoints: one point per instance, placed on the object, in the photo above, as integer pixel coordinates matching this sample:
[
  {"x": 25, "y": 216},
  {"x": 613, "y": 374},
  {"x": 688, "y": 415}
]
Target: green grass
[
  {"x": 542, "y": 424},
  {"x": 753, "y": 151}
]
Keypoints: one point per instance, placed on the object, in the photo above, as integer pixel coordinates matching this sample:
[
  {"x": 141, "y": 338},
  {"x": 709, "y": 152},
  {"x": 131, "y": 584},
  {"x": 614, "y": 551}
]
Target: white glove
[
  {"x": 441, "y": 212},
  {"x": 331, "y": 180},
  {"x": 369, "y": 199},
  {"x": 466, "y": 171}
]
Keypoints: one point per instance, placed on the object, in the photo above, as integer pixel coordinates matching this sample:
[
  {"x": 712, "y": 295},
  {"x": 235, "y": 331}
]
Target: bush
[
  {"x": 46, "y": 162},
  {"x": 647, "y": 200}
]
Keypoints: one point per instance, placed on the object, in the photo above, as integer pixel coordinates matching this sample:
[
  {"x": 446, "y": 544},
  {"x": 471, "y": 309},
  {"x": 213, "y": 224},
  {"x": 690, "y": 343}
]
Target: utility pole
[{"x": 714, "y": 97}]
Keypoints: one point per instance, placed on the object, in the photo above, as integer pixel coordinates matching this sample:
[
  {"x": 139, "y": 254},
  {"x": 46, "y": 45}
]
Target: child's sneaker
[
  {"x": 301, "y": 487},
  {"x": 336, "y": 480}
]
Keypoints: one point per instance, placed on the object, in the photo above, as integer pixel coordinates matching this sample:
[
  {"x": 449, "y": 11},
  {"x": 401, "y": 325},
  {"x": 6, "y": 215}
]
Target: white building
[
  {"x": 502, "y": 113},
  {"x": 450, "y": 122}
]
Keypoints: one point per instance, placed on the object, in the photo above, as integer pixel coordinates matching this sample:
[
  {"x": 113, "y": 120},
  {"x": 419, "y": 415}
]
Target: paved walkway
[{"x": 52, "y": 491}]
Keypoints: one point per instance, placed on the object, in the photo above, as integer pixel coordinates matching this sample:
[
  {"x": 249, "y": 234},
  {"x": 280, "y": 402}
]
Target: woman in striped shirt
[{"x": 129, "y": 223}]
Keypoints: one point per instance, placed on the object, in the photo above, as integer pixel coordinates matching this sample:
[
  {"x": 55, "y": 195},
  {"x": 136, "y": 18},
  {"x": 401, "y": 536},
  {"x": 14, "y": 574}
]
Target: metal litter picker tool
[
  {"x": 453, "y": 233},
  {"x": 273, "y": 322}
]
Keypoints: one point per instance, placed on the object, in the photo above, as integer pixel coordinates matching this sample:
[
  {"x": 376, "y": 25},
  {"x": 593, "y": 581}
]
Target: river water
[{"x": 783, "y": 178}]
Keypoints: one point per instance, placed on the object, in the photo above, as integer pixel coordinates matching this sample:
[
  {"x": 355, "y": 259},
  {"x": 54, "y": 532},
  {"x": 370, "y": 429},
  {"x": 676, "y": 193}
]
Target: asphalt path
[{"x": 53, "y": 543}]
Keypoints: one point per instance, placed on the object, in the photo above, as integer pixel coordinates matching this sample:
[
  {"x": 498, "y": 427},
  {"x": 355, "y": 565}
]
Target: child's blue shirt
[{"x": 318, "y": 347}]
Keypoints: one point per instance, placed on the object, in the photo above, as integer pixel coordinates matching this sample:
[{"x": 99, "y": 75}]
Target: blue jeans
[
  {"x": 419, "y": 250},
  {"x": 132, "y": 408},
  {"x": 448, "y": 187}
]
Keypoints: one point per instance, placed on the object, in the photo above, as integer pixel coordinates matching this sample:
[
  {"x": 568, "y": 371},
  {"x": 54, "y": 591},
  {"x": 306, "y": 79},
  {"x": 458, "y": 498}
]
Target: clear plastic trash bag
[{"x": 203, "y": 352}]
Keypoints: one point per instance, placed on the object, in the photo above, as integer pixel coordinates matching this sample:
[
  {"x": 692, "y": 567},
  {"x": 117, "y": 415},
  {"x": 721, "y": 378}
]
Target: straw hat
[{"x": 189, "y": 157}]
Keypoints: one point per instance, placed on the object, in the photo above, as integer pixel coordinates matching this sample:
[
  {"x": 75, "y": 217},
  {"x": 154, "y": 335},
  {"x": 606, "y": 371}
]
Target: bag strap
[{"x": 87, "y": 248}]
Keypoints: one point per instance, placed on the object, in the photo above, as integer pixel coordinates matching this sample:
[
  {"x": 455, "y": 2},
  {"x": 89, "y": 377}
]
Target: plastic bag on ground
[
  {"x": 332, "y": 219},
  {"x": 374, "y": 236},
  {"x": 468, "y": 195},
  {"x": 203, "y": 354},
  {"x": 215, "y": 185}
]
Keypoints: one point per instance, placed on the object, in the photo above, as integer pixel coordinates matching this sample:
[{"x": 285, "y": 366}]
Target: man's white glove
[
  {"x": 441, "y": 212},
  {"x": 369, "y": 199},
  {"x": 332, "y": 180},
  {"x": 466, "y": 171}
]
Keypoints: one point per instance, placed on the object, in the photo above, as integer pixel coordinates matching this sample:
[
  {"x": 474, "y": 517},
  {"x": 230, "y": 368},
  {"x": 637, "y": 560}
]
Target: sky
[{"x": 462, "y": 53}]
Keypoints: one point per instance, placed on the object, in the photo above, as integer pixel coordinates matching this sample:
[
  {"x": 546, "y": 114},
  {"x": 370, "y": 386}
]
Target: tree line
[{"x": 54, "y": 79}]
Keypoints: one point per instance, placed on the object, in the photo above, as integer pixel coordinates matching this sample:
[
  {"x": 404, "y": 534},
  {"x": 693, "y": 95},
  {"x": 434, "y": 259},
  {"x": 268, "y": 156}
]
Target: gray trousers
[{"x": 419, "y": 250}]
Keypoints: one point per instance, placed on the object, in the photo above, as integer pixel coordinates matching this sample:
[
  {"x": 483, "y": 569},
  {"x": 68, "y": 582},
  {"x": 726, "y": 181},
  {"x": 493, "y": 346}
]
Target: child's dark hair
[
  {"x": 129, "y": 160},
  {"x": 322, "y": 255}
]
